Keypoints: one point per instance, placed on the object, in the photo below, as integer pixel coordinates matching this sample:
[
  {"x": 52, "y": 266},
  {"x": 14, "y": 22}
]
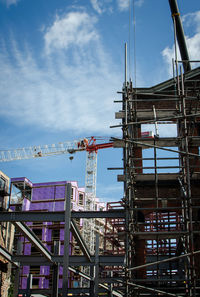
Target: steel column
[
  {"x": 29, "y": 285},
  {"x": 92, "y": 281},
  {"x": 56, "y": 270},
  {"x": 96, "y": 276},
  {"x": 17, "y": 271},
  {"x": 68, "y": 190}
]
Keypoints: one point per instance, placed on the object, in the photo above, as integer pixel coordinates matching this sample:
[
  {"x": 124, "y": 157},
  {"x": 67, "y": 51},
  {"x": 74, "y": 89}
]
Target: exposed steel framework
[
  {"x": 152, "y": 248},
  {"x": 161, "y": 178}
]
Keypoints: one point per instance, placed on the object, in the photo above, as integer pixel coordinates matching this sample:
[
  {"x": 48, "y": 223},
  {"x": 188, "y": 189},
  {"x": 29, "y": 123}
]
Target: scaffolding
[
  {"x": 152, "y": 240},
  {"x": 152, "y": 236},
  {"x": 161, "y": 178}
]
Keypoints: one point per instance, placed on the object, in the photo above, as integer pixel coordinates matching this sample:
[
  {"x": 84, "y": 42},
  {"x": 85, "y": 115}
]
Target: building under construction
[{"x": 152, "y": 236}]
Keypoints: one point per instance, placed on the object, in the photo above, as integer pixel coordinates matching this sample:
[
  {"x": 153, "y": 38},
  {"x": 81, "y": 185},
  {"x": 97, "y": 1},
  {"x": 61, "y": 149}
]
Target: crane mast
[{"x": 90, "y": 194}]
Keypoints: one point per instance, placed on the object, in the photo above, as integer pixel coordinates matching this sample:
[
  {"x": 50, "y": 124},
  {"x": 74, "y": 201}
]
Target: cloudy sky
[{"x": 62, "y": 63}]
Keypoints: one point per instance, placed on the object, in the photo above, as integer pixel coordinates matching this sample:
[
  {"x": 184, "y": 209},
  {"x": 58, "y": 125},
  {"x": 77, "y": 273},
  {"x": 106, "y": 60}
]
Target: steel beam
[
  {"x": 5, "y": 254},
  {"x": 161, "y": 143},
  {"x": 73, "y": 291},
  {"x": 153, "y": 290},
  {"x": 170, "y": 118},
  {"x": 76, "y": 233},
  {"x": 28, "y": 233},
  {"x": 162, "y": 177},
  {"x": 80, "y": 273},
  {"x": 56, "y": 216},
  {"x": 115, "y": 260},
  {"x": 165, "y": 260},
  {"x": 90, "y": 278}
]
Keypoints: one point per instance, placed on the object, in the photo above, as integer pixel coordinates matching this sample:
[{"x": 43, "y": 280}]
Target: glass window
[
  {"x": 81, "y": 199},
  {"x": 16, "y": 195},
  {"x": 72, "y": 194}
]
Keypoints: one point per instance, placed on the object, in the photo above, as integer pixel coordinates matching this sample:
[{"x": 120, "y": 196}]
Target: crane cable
[
  {"x": 132, "y": 19},
  {"x": 129, "y": 43},
  {"x": 134, "y": 42}
]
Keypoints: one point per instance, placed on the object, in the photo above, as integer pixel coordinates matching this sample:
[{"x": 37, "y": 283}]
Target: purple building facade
[{"x": 28, "y": 196}]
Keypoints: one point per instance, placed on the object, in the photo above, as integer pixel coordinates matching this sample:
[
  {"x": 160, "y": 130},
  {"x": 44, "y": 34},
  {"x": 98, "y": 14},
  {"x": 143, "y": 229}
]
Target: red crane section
[{"x": 90, "y": 145}]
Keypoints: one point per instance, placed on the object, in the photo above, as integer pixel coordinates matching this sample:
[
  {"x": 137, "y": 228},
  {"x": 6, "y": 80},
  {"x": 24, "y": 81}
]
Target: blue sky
[{"x": 62, "y": 63}]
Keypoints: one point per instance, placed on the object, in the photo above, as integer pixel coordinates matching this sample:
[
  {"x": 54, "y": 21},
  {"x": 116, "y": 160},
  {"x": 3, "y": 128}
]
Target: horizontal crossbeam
[
  {"x": 73, "y": 260},
  {"x": 56, "y": 216}
]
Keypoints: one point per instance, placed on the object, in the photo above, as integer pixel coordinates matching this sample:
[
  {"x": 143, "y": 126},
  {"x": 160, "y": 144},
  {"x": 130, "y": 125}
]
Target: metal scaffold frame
[
  {"x": 162, "y": 202},
  {"x": 152, "y": 236}
]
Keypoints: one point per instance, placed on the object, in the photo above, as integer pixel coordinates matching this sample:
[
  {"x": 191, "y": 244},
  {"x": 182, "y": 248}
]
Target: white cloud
[
  {"x": 192, "y": 19},
  {"x": 71, "y": 89},
  {"x": 101, "y": 6},
  {"x": 123, "y": 4},
  {"x": 139, "y": 3},
  {"x": 75, "y": 28},
  {"x": 9, "y": 2},
  {"x": 97, "y": 6},
  {"x": 193, "y": 42}
]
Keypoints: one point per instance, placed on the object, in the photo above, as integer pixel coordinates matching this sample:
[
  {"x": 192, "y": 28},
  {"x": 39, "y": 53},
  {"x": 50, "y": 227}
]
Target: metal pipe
[
  {"x": 164, "y": 261},
  {"x": 160, "y": 119},
  {"x": 162, "y": 148},
  {"x": 96, "y": 276},
  {"x": 152, "y": 290},
  {"x": 125, "y": 70}
]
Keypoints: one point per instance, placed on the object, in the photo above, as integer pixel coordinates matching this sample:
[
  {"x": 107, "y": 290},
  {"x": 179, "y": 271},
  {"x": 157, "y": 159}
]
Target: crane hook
[{"x": 71, "y": 158}]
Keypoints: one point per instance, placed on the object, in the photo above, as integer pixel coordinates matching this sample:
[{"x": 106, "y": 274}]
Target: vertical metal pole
[
  {"x": 96, "y": 276},
  {"x": 56, "y": 270},
  {"x": 68, "y": 190},
  {"x": 111, "y": 286},
  {"x": 29, "y": 285},
  {"x": 189, "y": 198},
  {"x": 125, "y": 161},
  {"x": 92, "y": 281},
  {"x": 125, "y": 74},
  {"x": 156, "y": 123},
  {"x": 157, "y": 205},
  {"x": 17, "y": 271},
  {"x": 16, "y": 282}
]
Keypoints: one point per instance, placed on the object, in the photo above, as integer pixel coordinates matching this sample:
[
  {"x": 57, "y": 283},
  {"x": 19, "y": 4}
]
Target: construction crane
[{"x": 91, "y": 147}]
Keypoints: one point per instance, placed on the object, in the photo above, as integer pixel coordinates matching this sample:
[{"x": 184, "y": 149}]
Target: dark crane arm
[{"x": 180, "y": 35}]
